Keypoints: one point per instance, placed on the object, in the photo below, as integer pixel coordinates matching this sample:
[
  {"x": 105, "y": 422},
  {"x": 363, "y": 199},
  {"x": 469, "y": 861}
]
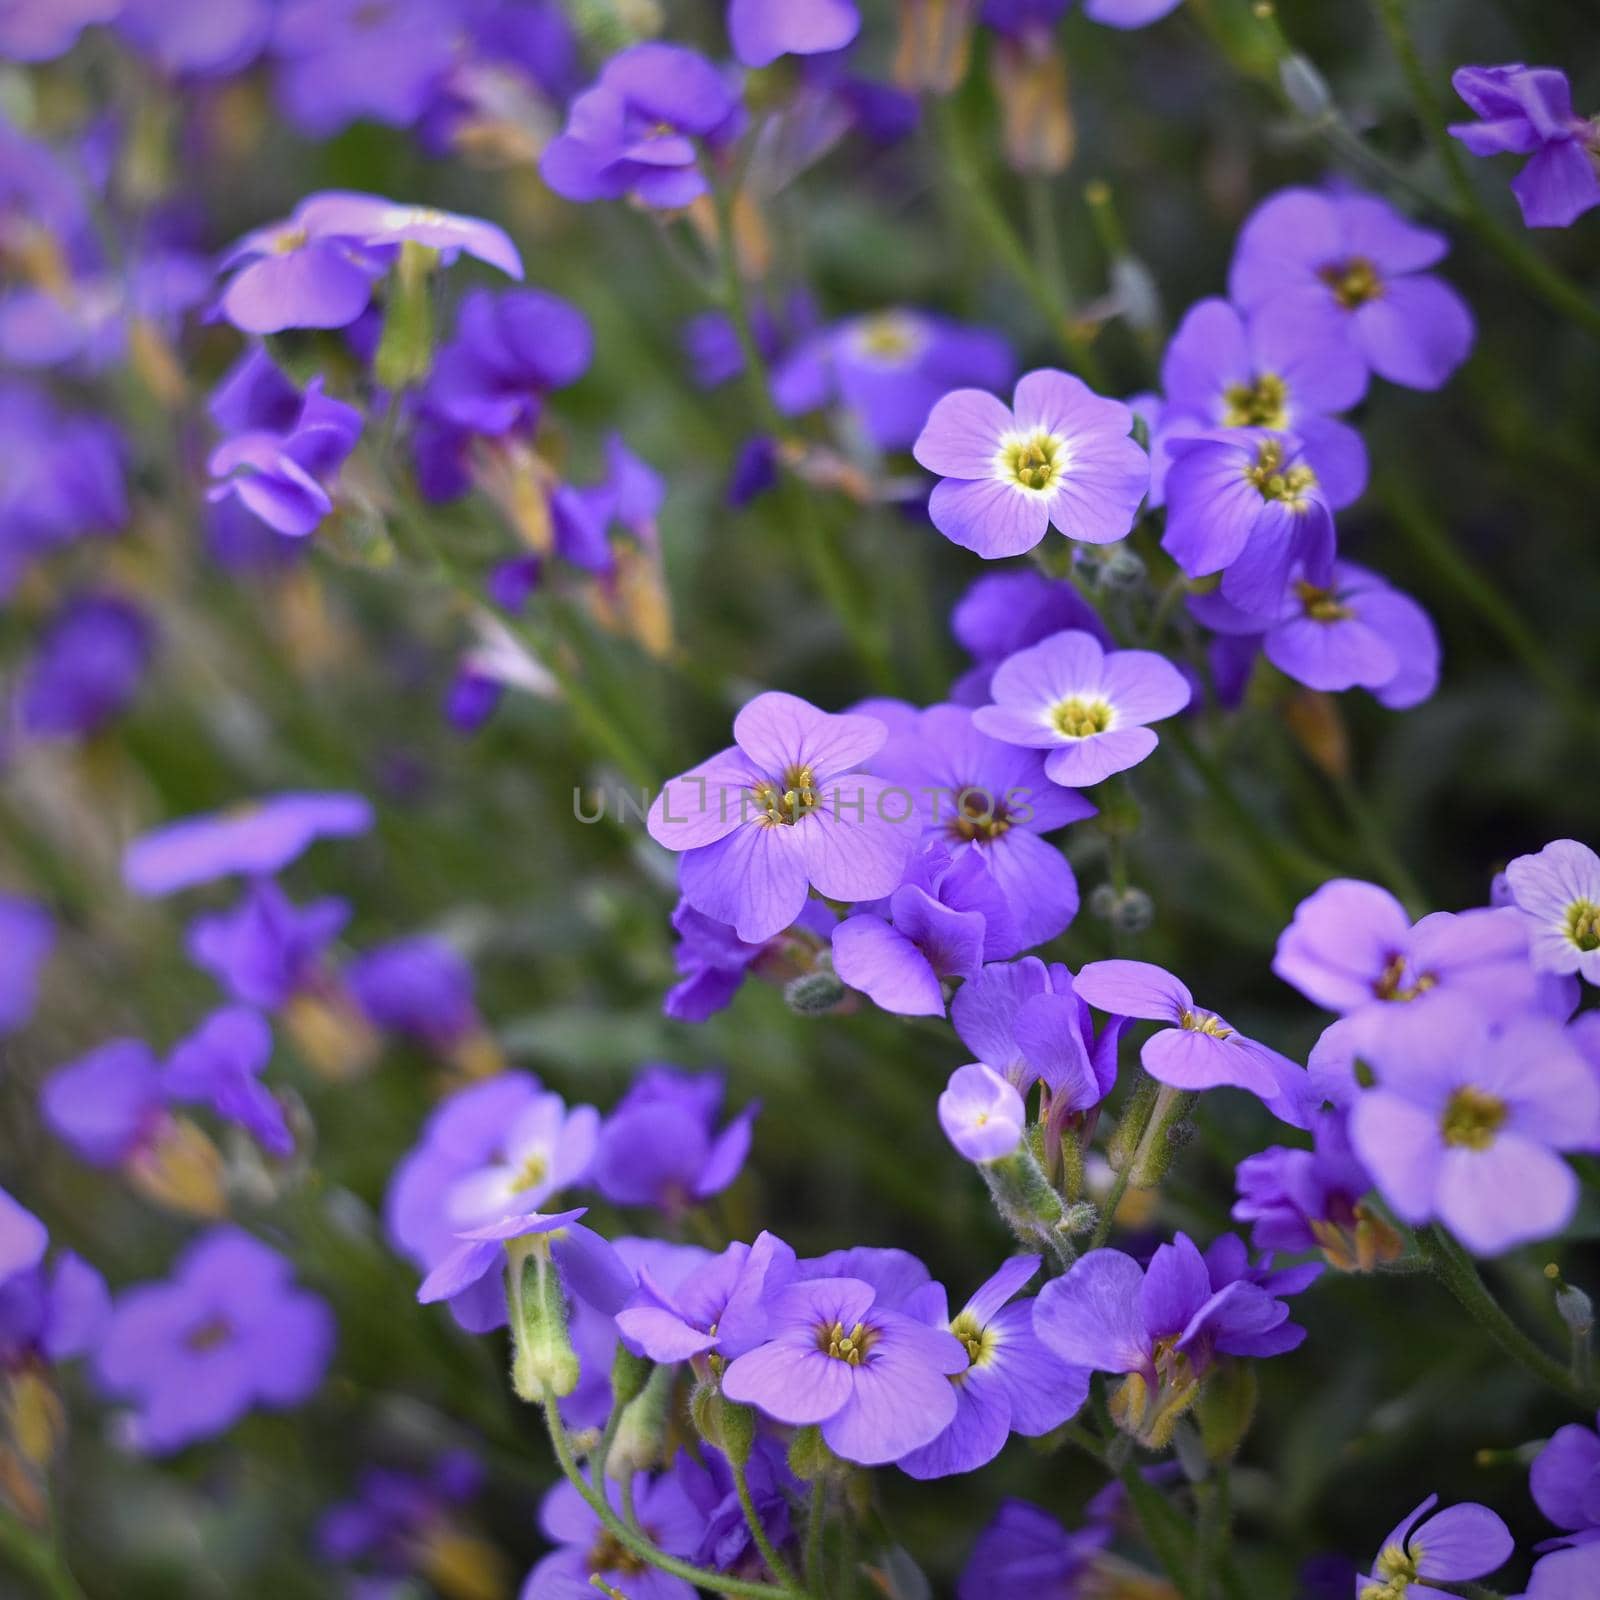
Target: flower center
[
  {"x": 287, "y": 240},
  {"x": 1396, "y": 981},
  {"x": 1033, "y": 461},
  {"x": 1277, "y": 482},
  {"x": 1207, "y": 1022},
  {"x": 211, "y": 1333},
  {"x": 978, "y": 1342},
  {"x": 532, "y": 1172},
  {"x": 1398, "y": 1568},
  {"x": 889, "y": 337},
  {"x": 783, "y": 804},
  {"x": 609, "y": 1554},
  {"x": 979, "y": 817},
  {"x": 1079, "y": 717},
  {"x": 1321, "y": 605},
  {"x": 1472, "y": 1119},
  {"x": 1262, "y": 404},
  {"x": 1354, "y": 282},
  {"x": 852, "y": 1347},
  {"x": 1583, "y": 924}
]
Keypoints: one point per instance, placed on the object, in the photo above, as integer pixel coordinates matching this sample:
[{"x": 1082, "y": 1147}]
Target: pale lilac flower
[
  {"x": 1087, "y": 707},
  {"x": 1059, "y": 455},
  {"x": 982, "y": 1114},
  {"x": 1558, "y": 891},
  {"x": 762, "y": 30}
]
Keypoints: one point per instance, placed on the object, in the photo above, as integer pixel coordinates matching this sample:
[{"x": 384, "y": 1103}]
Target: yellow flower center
[
  {"x": 1583, "y": 924},
  {"x": 978, "y": 1342},
  {"x": 1397, "y": 983},
  {"x": 1034, "y": 460},
  {"x": 783, "y": 805},
  {"x": 852, "y": 1347},
  {"x": 1278, "y": 482},
  {"x": 891, "y": 336},
  {"x": 1204, "y": 1022},
  {"x": 1354, "y": 282},
  {"x": 532, "y": 1172},
  {"x": 1321, "y": 605},
  {"x": 609, "y": 1554},
  {"x": 1262, "y": 404},
  {"x": 978, "y": 817},
  {"x": 1078, "y": 716},
  {"x": 1472, "y": 1119}
]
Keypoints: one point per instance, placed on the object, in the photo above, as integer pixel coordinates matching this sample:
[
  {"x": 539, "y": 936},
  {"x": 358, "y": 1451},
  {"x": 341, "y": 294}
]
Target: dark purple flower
[
  {"x": 23, "y": 1238},
  {"x": 956, "y": 786},
  {"x": 41, "y": 30},
  {"x": 1244, "y": 502},
  {"x": 784, "y": 810},
  {"x": 220, "y": 1064},
  {"x": 1558, "y": 891},
  {"x": 1466, "y": 1124},
  {"x": 1221, "y": 371},
  {"x": 266, "y": 949},
  {"x": 397, "y": 1520},
  {"x": 1564, "y": 1575},
  {"x": 108, "y": 1103},
  {"x": 1025, "y": 1554},
  {"x": 1004, "y": 612},
  {"x": 1162, "y": 1326},
  {"x": 196, "y": 38},
  {"x": 762, "y": 30},
  {"x": 49, "y": 1313},
  {"x": 1455, "y": 1545},
  {"x": 726, "y": 1543},
  {"x": 889, "y": 369},
  {"x": 1336, "y": 275},
  {"x": 1564, "y": 1480},
  {"x": 228, "y": 1332},
  {"x": 417, "y": 986},
  {"x": 634, "y": 132},
  {"x": 1527, "y": 111},
  {"x": 90, "y": 662},
  {"x": 874, "y": 1379},
  {"x": 1059, "y": 456},
  {"x": 257, "y": 839},
  {"x": 713, "y": 961},
  {"x": 660, "y": 1146},
  {"x": 27, "y": 936},
  {"x": 1351, "y": 631},
  {"x": 1088, "y": 708},
  {"x": 1012, "y": 1383},
  {"x": 668, "y": 1518}
]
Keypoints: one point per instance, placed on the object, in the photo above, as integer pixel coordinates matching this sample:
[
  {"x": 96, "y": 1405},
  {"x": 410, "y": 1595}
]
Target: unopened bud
[
  {"x": 1122, "y": 570},
  {"x": 1079, "y": 1218},
  {"x": 1133, "y": 912},
  {"x": 814, "y": 994},
  {"x": 542, "y": 1353},
  {"x": 405, "y": 353},
  {"x": 641, "y": 1437},
  {"x": 1575, "y": 1309},
  {"x": 1226, "y": 1408},
  {"x": 1133, "y": 287},
  {"x": 629, "y": 1374},
  {"x": 809, "y": 1457},
  {"x": 737, "y": 1426},
  {"x": 1305, "y": 88}
]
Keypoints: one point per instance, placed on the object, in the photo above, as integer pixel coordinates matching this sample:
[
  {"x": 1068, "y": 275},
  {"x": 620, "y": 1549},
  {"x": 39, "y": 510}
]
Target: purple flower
[
  {"x": 1004, "y": 612},
  {"x": 1565, "y": 1483},
  {"x": 91, "y": 660},
  {"x": 1088, "y": 708},
  {"x": 1245, "y": 503},
  {"x": 1012, "y": 1383},
  {"x": 1466, "y": 1122},
  {"x": 978, "y": 796},
  {"x": 508, "y": 350},
  {"x": 718, "y": 1307},
  {"x": 1197, "y": 1049},
  {"x": 1027, "y": 1022},
  {"x": 942, "y": 922},
  {"x": 196, "y": 38},
  {"x": 1351, "y": 631},
  {"x": 888, "y": 370},
  {"x": 1162, "y": 1326},
  {"x": 634, "y": 132},
  {"x": 41, "y": 30},
  {"x": 982, "y": 1114},
  {"x": 1353, "y": 949},
  {"x": 23, "y": 1238},
  {"x": 1059, "y": 455},
  {"x": 419, "y": 987},
  {"x": 543, "y": 1150},
  {"x": 1221, "y": 371},
  {"x": 667, "y": 1517},
  {"x": 398, "y": 1522},
  {"x": 48, "y": 1313},
  {"x": 1455, "y": 1545},
  {"x": 762, "y": 30},
  {"x": 1315, "y": 1200},
  {"x": 1527, "y": 111},
  {"x": 660, "y": 1146},
  {"x": 343, "y": 60},
  {"x": 1564, "y": 1575},
  {"x": 317, "y": 268},
  {"x": 727, "y": 1544},
  {"x": 227, "y": 1333},
  {"x": 875, "y": 1380},
  {"x": 219, "y": 1065},
  {"x": 257, "y": 839},
  {"x": 266, "y": 949},
  {"x": 712, "y": 959},
  {"x": 27, "y": 936},
  {"x": 783, "y": 810},
  {"x": 1336, "y": 275},
  {"x": 284, "y": 449},
  {"x": 1025, "y": 1554},
  {"x": 1558, "y": 891},
  {"x": 107, "y": 1104}
]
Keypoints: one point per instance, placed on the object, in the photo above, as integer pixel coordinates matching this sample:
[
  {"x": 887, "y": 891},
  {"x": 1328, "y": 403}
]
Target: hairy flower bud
[
  {"x": 542, "y": 1353},
  {"x": 814, "y": 994}
]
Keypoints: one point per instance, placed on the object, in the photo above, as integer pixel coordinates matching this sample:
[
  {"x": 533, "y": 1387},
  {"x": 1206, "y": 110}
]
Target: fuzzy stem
[
  {"x": 38, "y": 1554},
  {"x": 815, "y": 1523},
  {"x": 779, "y": 1568}
]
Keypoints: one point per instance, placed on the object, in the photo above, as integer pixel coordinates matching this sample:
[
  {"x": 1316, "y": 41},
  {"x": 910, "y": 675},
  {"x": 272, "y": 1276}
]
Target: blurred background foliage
[{"x": 331, "y": 673}]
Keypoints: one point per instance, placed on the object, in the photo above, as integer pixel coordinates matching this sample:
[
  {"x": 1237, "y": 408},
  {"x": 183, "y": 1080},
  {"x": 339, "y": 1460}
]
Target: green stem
[
  {"x": 776, "y": 1565},
  {"x": 816, "y": 1520},
  {"x": 38, "y": 1554},
  {"x": 1543, "y": 279},
  {"x": 1131, "y": 1140},
  {"x": 1456, "y": 1270},
  {"x": 630, "y": 1538},
  {"x": 1214, "y": 1530}
]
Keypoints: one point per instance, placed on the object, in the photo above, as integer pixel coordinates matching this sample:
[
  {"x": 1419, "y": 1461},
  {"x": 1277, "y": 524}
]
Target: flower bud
[
  {"x": 1122, "y": 570},
  {"x": 736, "y": 1429},
  {"x": 809, "y": 1457},
  {"x": 641, "y": 1437},
  {"x": 1226, "y": 1408},
  {"x": 1030, "y": 80},
  {"x": 629, "y": 1374},
  {"x": 1305, "y": 88},
  {"x": 935, "y": 43},
  {"x": 405, "y": 353},
  {"x": 814, "y": 994},
  {"x": 1079, "y": 1218},
  {"x": 1133, "y": 912},
  {"x": 541, "y": 1344}
]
